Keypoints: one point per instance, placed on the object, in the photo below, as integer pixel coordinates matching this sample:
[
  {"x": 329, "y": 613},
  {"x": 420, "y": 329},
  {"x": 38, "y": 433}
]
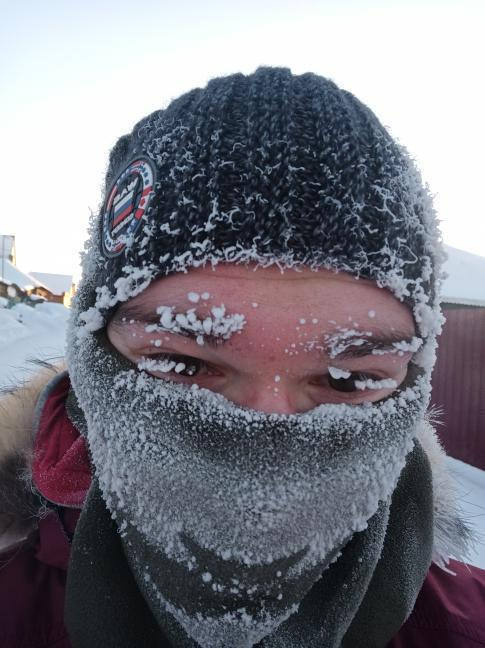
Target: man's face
[{"x": 267, "y": 340}]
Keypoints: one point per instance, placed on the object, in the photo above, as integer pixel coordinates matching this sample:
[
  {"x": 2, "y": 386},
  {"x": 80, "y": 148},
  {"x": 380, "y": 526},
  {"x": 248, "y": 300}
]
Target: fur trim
[
  {"x": 453, "y": 536},
  {"x": 19, "y": 508}
]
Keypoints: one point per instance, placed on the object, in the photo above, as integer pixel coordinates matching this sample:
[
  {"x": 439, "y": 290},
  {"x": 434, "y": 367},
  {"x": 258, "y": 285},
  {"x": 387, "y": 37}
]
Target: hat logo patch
[{"x": 125, "y": 206}]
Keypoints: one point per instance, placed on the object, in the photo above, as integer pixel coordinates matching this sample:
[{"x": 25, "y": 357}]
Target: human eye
[
  {"x": 174, "y": 365},
  {"x": 357, "y": 381}
]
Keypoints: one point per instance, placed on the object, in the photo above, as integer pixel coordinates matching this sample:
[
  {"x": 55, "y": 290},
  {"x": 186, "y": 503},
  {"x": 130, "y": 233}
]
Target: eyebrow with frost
[
  {"x": 377, "y": 343},
  {"x": 356, "y": 346}
]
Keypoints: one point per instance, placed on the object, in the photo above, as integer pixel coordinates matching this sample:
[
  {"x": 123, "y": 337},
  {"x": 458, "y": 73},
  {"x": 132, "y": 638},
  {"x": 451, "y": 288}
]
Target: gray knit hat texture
[{"x": 269, "y": 167}]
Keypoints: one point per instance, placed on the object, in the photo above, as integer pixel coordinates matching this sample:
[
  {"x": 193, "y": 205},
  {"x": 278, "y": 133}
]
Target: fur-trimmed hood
[{"x": 20, "y": 508}]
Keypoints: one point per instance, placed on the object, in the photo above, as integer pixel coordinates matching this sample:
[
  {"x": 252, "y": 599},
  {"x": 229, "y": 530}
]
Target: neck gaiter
[{"x": 228, "y": 516}]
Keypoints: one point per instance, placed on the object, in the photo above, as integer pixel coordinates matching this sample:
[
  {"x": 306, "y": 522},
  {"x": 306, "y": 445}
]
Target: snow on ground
[
  {"x": 39, "y": 332},
  {"x": 30, "y": 332}
]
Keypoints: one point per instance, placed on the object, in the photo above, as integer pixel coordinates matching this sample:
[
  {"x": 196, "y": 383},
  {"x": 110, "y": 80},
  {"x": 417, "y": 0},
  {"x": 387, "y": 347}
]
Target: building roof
[
  {"x": 58, "y": 284},
  {"x": 465, "y": 283},
  {"x": 11, "y": 274}
]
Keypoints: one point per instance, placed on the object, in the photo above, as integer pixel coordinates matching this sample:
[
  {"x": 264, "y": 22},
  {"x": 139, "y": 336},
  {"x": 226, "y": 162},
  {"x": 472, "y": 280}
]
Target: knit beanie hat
[{"x": 270, "y": 168}]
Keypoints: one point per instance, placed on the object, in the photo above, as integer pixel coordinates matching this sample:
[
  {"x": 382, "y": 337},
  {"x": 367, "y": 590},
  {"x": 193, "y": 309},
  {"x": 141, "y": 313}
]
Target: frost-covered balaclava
[{"x": 230, "y": 518}]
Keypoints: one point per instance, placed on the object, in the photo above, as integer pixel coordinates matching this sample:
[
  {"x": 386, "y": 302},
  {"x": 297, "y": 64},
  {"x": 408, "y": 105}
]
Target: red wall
[{"x": 459, "y": 385}]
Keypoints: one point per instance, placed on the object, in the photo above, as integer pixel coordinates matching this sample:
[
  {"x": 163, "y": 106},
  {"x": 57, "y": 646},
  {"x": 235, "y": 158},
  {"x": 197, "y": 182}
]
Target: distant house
[
  {"x": 55, "y": 287},
  {"x": 13, "y": 282},
  {"x": 12, "y": 275},
  {"x": 459, "y": 375}
]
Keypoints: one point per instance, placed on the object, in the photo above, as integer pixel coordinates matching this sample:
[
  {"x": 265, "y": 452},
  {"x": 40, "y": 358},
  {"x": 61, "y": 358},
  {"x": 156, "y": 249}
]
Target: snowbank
[{"x": 29, "y": 332}]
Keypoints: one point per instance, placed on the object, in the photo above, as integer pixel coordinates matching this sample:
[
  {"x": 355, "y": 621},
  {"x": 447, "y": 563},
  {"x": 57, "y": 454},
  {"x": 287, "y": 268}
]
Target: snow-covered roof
[
  {"x": 58, "y": 284},
  {"x": 11, "y": 274},
  {"x": 465, "y": 283}
]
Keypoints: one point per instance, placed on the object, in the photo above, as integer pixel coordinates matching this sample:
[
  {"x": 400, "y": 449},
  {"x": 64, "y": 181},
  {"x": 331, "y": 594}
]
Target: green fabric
[
  {"x": 405, "y": 558},
  {"x": 104, "y": 607},
  {"x": 360, "y": 602}
]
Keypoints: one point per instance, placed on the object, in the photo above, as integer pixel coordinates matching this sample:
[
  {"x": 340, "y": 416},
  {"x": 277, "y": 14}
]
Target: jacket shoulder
[
  {"x": 449, "y": 611},
  {"x": 32, "y": 589}
]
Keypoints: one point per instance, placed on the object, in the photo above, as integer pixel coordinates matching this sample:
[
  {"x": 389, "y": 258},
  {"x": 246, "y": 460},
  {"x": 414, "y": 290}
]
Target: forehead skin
[{"x": 335, "y": 299}]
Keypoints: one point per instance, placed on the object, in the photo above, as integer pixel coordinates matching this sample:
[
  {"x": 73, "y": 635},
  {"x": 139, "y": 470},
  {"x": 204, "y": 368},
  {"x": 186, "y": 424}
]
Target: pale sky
[{"x": 74, "y": 76}]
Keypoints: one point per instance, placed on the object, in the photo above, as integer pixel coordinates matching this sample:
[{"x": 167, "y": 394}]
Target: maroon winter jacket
[{"x": 449, "y": 611}]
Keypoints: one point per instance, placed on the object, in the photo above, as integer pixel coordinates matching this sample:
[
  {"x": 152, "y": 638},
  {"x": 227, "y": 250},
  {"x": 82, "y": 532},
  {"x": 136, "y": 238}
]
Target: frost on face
[
  {"x": 385, "y": 383},
  {"x": 250, "y": 488},
  {"x": 125, "y": 287},
  {"x": 161, "y": 366},
  {"x": 343, "y": 339},
  {"x": 369, "y": 383},
  {"x": 218, "y": 324},
  {"x": 195, "y": 297},
  {"x": 337, "y": 373},
  {"x": 402, "y": 347},
  {"x": 92, "y": 319}
]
